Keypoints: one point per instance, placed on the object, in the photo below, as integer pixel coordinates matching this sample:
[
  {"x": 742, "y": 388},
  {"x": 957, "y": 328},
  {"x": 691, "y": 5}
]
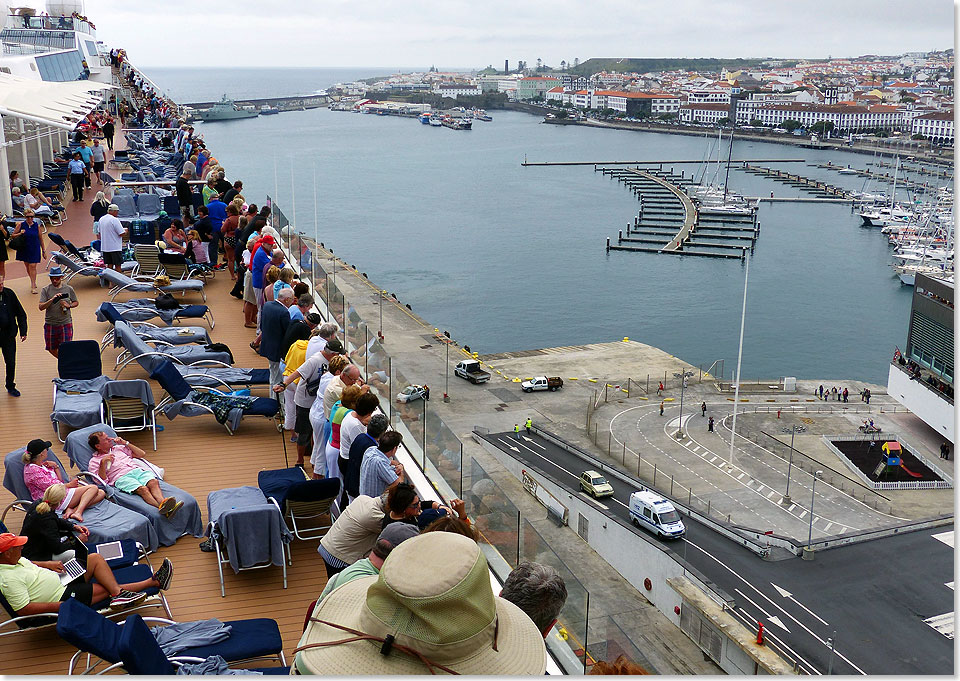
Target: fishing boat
[
  {"x": 269, "y": 110},
  {"x": 424, "y": 118}
]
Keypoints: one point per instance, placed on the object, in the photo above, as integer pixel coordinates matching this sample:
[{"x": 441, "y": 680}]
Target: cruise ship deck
[{"x": 197, "y": 453}]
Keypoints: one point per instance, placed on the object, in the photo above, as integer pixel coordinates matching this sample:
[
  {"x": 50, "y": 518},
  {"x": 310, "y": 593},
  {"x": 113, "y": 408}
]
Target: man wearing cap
[
  {"x": 118, "y": 462},
  {"x": 56, "y": 301},
  {"x": 35, "y": 588},
  {"x": 408, "y": 620},
  {"x": 306, "y": 376},
  {"x": 13, "y": 323},
  {"x": 390, "y": 538},
  {"x": 111, "y": 238},
  {"x": 260, "y": 258}
]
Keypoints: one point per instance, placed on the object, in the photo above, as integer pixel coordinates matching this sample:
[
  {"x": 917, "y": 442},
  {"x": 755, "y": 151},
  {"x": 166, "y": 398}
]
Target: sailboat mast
[{"x": 726, "y": 177}]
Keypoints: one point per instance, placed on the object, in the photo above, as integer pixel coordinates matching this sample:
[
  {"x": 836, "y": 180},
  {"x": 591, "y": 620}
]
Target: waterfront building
[
  {"x": 454, "y": 90},
  {"x": 643, "y": 104},
  {"x": 921, "y": 377},
  {"x": 845, "y": 117},
  {"x": 936, "y": 126},
  {"x": 710, "y": 113},
  {"x": 532, "y": 87}
]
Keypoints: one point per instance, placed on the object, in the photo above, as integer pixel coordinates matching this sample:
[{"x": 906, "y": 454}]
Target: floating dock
[{"x": 670, "y": 221}]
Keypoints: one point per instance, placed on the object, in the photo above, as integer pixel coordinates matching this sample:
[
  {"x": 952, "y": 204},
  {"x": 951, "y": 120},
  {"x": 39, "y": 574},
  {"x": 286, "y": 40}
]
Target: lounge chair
[
  {"x": 183, "y": 399},
  {"x": 107, "y": 521},
  {"x": 186, "y": 521},
  {"x": 311, "y": 502},
  {"x": 148, "y": 206},
  {"x": 147, "y": 257},
  {"x": 142, "y": 309},
  {"x": 183, "y": 335},
  {"x": 141, "y": 654},
  {"x": 77, "y": 400},
  {"x": 150, "y": 353},
  {"x": 95, "y": 635},
  {"x": 120, "y": 282}
]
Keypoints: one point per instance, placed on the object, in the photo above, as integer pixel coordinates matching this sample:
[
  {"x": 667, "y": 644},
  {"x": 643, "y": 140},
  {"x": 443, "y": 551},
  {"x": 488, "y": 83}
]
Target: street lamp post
[
  {"x": 786, "y": 496},
  {"x": 682, "y": 375},
  {"x": 380, "y": 333},
  {"x": 833, "y": 644},
  {"x": 446, "y": 384}
]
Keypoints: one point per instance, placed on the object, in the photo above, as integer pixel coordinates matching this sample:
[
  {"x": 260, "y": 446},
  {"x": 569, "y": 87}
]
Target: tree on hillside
[
  {"x": 790, "y": 125},
  {"x": 576, "y": 62},
  {"x": 539, "y": 64},
  {"x": 563, "y": 64}
]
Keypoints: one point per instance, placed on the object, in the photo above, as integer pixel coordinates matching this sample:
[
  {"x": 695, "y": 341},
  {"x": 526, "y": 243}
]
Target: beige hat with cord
[{"x": 430, "y": 610}]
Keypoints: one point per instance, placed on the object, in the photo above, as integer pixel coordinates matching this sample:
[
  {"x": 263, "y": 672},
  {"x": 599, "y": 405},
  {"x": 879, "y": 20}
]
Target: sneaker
[
  {"x": 173, "y": 511},
  {"x": 13, "y": 392},
  {"x": 164, "y": 574},
  {"x": 167, "y": 506},
  {"x": 125, "y": 599},
  {"x": 293, "y": 438}
]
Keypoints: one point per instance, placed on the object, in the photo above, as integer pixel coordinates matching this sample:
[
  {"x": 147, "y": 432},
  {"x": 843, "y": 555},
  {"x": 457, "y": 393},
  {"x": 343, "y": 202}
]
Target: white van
[{"x": 656, "y": 514}]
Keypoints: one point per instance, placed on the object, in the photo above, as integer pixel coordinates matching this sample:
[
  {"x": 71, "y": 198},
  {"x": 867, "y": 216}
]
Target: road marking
[
  {"x": 945, "y": 537},
  {"x": 552, "y": 463},
  {"x": 594, "y": 501},
  {"x": 750, "y": 621},
  {"x": 771, "y": 618},
  {"x": 535, "y": 444},
  {"x": 792, "y": 506},
  {"x": 827, "y": 528},
  {"x": 786, "y": 594},
  {"x": 712, "y": 459},
  {"x": 772, "y": 494},
  {"x": 696, "y": 448},
  {"x": 802, "y": 513},
  {"x": 949, "y": 585},
  {"x": 801, "y": 624},
  {"x": 740, "y": 477},
  {"x": 943, "y": 623}
]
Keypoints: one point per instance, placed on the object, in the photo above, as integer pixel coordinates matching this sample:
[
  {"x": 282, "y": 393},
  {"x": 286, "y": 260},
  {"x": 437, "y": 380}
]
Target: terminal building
[{"x": 921, "y": 376}]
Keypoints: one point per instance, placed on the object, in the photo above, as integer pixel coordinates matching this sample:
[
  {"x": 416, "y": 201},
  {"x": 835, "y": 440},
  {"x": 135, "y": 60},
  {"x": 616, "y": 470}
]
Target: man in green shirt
[
  {"x": 390, "y": 538},
  {"x": 35, "y": 588}
]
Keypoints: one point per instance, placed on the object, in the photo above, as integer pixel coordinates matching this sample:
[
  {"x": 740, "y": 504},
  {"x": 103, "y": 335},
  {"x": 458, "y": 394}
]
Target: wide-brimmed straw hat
[{"x": 414, "y": 619}]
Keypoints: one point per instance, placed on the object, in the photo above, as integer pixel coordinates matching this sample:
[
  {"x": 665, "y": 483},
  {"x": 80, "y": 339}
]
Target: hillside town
[{"x": 910, "y": 94}]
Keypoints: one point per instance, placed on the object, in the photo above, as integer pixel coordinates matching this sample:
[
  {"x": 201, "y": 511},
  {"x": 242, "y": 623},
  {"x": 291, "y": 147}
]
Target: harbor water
[{"x": 506, "y": 257}]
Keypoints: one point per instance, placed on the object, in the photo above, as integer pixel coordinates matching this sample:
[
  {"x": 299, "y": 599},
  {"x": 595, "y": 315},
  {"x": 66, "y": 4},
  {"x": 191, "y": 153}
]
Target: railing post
[{"x": 654, "y": 475}]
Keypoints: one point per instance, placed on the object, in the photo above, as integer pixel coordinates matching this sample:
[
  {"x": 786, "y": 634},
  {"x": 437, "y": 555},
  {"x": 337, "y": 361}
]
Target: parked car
[
  {"x": 542, "y": 383},
  {"x": 471, "y": 371},
  {"x": 414, "y": 392},
  {"x": 595, "y": 485}
]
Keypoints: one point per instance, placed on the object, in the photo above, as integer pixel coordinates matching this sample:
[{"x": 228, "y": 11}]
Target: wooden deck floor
[{"x": 198, "y": 455}]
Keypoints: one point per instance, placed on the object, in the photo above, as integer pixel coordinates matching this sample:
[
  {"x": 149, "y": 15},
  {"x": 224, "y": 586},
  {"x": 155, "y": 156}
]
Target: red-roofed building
[
  {"x": 846, "y": 118},
  {"x": 707, "y": 112}
]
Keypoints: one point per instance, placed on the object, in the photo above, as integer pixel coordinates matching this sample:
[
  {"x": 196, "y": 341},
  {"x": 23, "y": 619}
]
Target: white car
[{"x": 414, "y": 392}]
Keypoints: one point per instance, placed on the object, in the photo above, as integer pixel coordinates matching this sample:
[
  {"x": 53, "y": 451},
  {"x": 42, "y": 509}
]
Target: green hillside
[{"x": 596, "y": 65}]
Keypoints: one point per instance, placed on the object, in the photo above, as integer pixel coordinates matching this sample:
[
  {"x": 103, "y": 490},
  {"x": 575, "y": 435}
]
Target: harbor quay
[{"x": 742, "y": 518}]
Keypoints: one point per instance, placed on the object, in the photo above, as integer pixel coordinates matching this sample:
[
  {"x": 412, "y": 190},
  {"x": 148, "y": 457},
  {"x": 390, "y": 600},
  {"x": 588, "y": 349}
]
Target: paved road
[
  {"x": 874, "y": 595},
  {"x": 751, "y": 490}
]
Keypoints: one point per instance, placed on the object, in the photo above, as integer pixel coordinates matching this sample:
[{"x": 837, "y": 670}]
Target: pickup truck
[
  {"x": 542, "y": 383},
  {"x": 470, "y": 370}
]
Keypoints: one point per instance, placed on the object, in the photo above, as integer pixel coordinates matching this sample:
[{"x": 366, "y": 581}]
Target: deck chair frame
[{"x": 223, "y": 557}]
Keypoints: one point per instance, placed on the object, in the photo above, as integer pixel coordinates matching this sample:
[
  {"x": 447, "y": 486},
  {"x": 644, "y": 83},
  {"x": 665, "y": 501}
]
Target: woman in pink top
[{"x": 39, "y": 474}]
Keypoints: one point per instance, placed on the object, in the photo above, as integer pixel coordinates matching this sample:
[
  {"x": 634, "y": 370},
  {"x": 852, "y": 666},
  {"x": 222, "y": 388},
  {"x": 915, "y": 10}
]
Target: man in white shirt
[{"x": 111, "y": 238}]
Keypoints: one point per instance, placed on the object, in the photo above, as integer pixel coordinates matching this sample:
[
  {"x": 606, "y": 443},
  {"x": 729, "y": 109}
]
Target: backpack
[
  {"x": 166, "y": 301},
  {"x": 314, "y": 384}
]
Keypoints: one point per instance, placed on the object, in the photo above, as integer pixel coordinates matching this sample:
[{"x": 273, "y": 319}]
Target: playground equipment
[{"x": 891, "y": 458}]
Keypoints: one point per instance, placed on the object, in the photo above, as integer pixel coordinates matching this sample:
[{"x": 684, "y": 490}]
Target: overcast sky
[{"x": 475, "y": 33}]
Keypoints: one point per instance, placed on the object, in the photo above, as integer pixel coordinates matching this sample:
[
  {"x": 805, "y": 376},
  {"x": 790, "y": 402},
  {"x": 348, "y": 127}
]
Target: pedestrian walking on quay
[
  {"x": 866, "y": 395},
  {"x": 661, "y": 409},
  {"x": 516, "y": 430},
  {"x": 945, "y": 451},
  {"x": 528, "y": 425},
  {"x": 833, "y": 390},
  {"x": 846, "y": 393},
  {"x": 659, "y": 387},
  {"x": 821, "y": 391},
  {"x": 703, "y": 409},
  {"x": 710, "y": 425}
]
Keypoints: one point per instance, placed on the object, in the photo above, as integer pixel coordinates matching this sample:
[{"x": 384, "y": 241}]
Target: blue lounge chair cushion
[
  {"x": 88, "y": 630},
  {"x": 262, "y": 406},
  {"x": 79, "y": 359},
  {"x": 170, "y": 380},
  {"x": 139, "y": 650},
  {"x": 248, "y": 638},
  {"x": 192, "y": 310},
  {"x": 277, "y": 483}
]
